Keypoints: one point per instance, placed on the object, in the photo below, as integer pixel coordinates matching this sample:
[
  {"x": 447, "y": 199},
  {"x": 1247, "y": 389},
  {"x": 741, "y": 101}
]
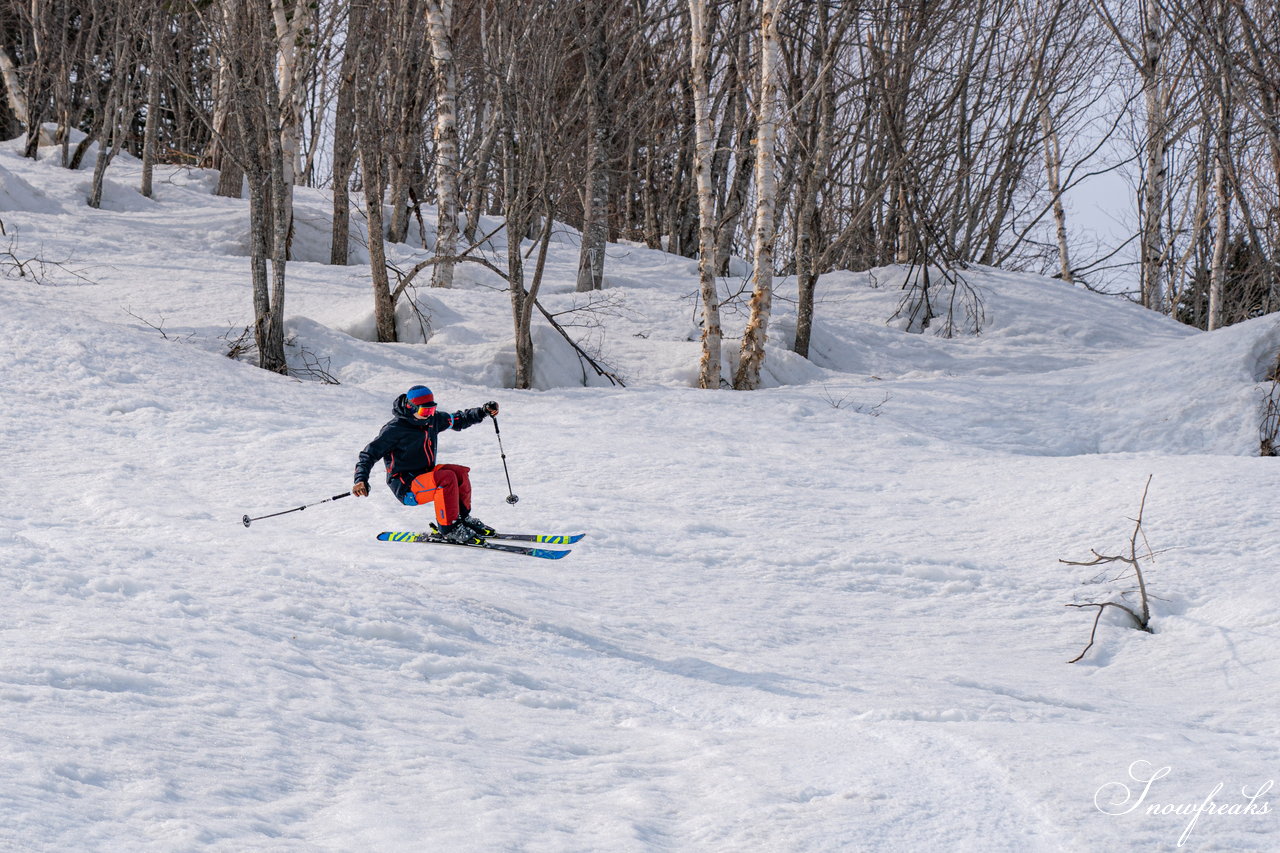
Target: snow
[{"x": 827, "y": 615}]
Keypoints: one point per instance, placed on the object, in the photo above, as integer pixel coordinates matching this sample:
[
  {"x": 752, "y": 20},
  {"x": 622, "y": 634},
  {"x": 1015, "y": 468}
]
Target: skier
[{"x": 407, "y": 444}]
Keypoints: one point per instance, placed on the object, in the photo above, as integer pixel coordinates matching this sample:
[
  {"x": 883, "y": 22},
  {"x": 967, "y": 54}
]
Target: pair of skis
[{"x": 525, "y": 550}]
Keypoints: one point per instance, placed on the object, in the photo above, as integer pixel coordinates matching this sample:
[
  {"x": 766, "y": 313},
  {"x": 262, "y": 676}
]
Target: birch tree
[
  {"x": 700, "y": 31},
  {"x": 440, "y": 26},
  {"x": 1158, "y": 69},
  {"x": 751, "y": 356},
  {"x": 293, "y": 24},
  {"x": 14, "y": 95}
]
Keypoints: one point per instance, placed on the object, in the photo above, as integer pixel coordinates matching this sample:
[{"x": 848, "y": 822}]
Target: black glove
[{"x": 491, "y": 408}]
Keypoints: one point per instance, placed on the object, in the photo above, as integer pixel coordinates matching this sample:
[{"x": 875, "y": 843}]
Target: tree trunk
[
  {"x": 290, "y": 27},
  {"x": 1053, "y": 171},
  {"x": 1154, "y": 171},
  {"x": 595, "y": 219},
  {"x": 751, "y": 357},
  {"x": 384, "y": 308},
  {"x": 344, "y": 138},
  {"x": 153, "y": 107},
  {"x": 813, "y": 166},
  {"x": 13, "y": 87},
  {"x": 595, "y": 225},
  {"x": 109, "y": 139},
  {"x": 1222, "y": 201},
  {"x": 517, "y": 224},
  {"x": 709, "y": 368},
  {"x": 480, "y": 172},
  {"x": 440, "y": 22},
  {"x": 225, "y": 128}
]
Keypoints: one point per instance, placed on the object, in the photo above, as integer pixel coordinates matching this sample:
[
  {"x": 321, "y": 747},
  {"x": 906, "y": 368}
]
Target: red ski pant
[{"x": 448, "y": 486}]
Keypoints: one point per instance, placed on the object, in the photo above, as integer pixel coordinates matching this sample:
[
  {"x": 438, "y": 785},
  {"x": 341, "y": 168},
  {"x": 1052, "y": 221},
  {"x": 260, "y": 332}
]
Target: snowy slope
[{"x": 829, "y": 615}]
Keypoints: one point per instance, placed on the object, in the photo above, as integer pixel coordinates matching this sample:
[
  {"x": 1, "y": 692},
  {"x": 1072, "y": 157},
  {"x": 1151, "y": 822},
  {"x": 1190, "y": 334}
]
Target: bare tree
[
  {"x": 701, "y": 20},
  {"x": 440, "y": 21},
  {"x": 372, "y": 124},
  {"x": 344, "y": 132},
  {"x": 595, "y": 219},
  {"x": 1151, "y": 51},
  {"x": 811, "y": 95},
  {"x": 529, "y": 86},
  {"x": 16, "y": 98},
  {"x": 244, "y": 33},
  {"x": 1133, "y": 560},
  {"x": 751, "y": 356},
  {"x": 123, "y": 50}
]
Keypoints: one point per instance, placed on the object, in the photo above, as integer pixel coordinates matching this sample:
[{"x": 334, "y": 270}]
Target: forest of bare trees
[{"x": 800, "y": 136}]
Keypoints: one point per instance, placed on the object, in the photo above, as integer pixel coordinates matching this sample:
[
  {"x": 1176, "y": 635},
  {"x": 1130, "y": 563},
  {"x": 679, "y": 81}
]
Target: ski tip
[
  {"x": 553, "y": 540},
  {"x": 548, "y": 554},
  {"x": 397, "y": 536}
]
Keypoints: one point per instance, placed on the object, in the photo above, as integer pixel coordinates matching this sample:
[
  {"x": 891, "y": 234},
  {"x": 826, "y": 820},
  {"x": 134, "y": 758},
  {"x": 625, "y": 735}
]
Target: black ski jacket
[{"x": 407, "y": 444}]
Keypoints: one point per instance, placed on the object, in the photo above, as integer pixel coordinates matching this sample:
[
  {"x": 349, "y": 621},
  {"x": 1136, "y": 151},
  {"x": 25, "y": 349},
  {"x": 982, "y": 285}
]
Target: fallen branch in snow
[
  {"x": 405, "y": 279},
  {"x": 14, "y": 264},
  {"x": 240, "y": 345},
  {"x": 860, "y": 408},
  {"x": 582, "y": 355},
  {"x": 313, "y": 366},
  {"x": 1141, "y": 619},
  {"x": 159, "y": 328}
]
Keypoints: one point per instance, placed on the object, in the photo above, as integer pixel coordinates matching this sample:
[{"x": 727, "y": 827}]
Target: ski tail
[{"x": 544, "y": 538}]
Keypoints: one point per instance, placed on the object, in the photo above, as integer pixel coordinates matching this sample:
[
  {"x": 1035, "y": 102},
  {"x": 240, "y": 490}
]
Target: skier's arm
[
  {"x": 373, "y": 451},
  {"x": 471, "y": 417}
]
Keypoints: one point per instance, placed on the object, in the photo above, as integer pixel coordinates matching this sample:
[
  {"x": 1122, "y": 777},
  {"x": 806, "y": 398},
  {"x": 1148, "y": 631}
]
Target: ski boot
[
  {"x": 457, "y": 533},
  {"x": 477, "y": 526}
]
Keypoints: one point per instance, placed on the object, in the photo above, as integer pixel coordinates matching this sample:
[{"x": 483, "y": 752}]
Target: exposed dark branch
[{"x": 1141, "y": 619}]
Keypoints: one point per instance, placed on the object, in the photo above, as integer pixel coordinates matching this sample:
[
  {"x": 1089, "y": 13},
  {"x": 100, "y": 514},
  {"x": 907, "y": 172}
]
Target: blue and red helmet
[{"x": 421, "y": 401}]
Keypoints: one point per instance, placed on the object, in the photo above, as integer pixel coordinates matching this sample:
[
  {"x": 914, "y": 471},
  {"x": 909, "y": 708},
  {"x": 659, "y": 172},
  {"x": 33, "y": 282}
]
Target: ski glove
[
  {"x": 491, "y": 408},
  {"x": 360, "y": 490}
]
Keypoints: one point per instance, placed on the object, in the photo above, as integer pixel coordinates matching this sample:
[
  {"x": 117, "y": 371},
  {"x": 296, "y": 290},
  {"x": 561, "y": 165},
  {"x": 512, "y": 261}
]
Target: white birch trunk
[
  {"x": 13, "y": 88},
  {"x": 1154, "y": 170},
  {"x": 1222, "y": 202},
  {"x": 751, "y": 357},
  {"x": 440, "y": 25},
  {"x": 288, "y": 30},
  {"x": 153, "y": 110},
  {"x": 1053, "y": 172},
  {"x": 704, "y": 149}
]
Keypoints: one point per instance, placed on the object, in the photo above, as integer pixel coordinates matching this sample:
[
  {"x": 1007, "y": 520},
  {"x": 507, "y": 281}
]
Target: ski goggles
[{"x": 424, "y": 406}]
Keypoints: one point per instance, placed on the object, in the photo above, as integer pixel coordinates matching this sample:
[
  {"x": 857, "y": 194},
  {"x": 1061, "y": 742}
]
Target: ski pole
[
  {"x": 247, "y": 520},
  {"x": 511, "y": 497}
]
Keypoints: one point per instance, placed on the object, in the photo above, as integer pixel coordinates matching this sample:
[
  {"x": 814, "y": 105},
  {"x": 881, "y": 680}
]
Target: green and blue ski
[{"x": 434, "y": 539}]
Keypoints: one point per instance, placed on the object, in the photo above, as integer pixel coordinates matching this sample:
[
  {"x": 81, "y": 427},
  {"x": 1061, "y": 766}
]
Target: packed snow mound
[{"x": 18, "y": 196}]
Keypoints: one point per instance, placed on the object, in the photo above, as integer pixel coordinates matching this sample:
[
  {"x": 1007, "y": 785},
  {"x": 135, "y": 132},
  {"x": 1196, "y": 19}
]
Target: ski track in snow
[{"x": 829, "y": 615}]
